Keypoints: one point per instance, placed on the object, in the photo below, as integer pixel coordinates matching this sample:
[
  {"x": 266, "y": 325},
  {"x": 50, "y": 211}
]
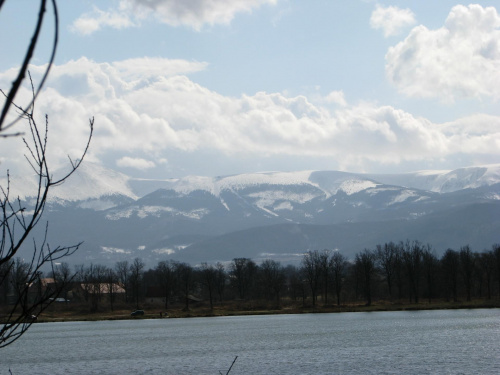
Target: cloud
[
  {"x": 133, "y": 69},
  {"x": 97, "y": 19},
  {"x": 392, "y": 20},
  {"x": 156, "y": 116},
  {"x": 459, "y": 60},
  {"x": 336, "y": 97},
  {"x": 136, "y": 163},
  {"x": 193, "y": 13}
]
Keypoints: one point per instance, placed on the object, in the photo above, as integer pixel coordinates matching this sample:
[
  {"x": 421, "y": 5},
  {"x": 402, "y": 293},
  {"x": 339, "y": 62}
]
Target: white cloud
[
  {"x": 336, "y": 97},
  {"x": 392, "y": 20},
  {"x": 136, "y": 163},
  {"x": 91, "y": 22},
  {"x": 140, "y": 68},
  {"x": 174, "y": 113},
  {"x": 192, "y": 13},
  {"x": 459, "y": 60}
]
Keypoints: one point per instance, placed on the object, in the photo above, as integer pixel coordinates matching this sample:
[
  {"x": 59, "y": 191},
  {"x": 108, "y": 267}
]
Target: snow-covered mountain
[
  {"x": 94, "y": 181},
  {"x": 446, "y": 181},
  {"x": 203, "y": 218}
]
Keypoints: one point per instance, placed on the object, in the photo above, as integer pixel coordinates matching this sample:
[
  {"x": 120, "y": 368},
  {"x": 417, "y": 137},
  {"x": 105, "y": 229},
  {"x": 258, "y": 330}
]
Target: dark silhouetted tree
[
  {"x": 209, "y": 280},
  {"x": 412, "y": 257},
  {"x": 165, "y": 277},
  {"x": 122, "y": 271},
  {"x": 430, "y": 267},
  {"x": 311, "y": 268},
  {"x": 338, "y": 266},
  {"x": 135, "y": 279},
  {"x": 387, "y": 258},
  {"x": 273, "y": 279},
  {"x": 486, "y": 265},
  {"x": 220, "y": 280},
  {"x": 450, "y": 263},
  {"x": 467, "y": 264},
  {"x": 243, "y": 272},
  {"x": 364, "y": 264},
  {"x": 185, "y": 277}
]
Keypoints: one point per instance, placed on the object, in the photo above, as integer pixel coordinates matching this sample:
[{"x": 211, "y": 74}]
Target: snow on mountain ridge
[
  {"x": 353, "y": 186},
  {"x": 444, "y": 181},
  {"x": 473, "y": 177},
  {"x": 94, "y": 183},
  {"x": 215, "y": 185},
  {"x": 146, "y": 211},
  {"x": 269, "y": 198},
  {"x": 350, "y": 183}
]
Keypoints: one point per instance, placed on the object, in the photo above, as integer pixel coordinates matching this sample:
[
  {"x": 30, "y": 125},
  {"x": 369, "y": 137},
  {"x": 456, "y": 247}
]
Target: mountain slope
[
  {"x": 287, "y": 242},
  {"x": 180, "y": 217}
]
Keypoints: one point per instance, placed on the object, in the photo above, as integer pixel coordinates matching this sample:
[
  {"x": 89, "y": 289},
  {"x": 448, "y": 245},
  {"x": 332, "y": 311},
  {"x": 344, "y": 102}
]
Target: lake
[{"x": 417, "y": 342}]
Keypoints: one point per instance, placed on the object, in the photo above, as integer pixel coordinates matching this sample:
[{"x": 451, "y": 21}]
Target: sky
[{"x": 221, "y": 87}]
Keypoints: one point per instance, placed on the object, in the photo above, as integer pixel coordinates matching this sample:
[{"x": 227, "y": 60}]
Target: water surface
[{"x": 421, "y": 342}]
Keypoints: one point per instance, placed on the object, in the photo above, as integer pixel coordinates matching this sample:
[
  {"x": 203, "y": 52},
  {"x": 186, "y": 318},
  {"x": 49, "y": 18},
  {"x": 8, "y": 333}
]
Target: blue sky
[{"x": 231, "y": 86}]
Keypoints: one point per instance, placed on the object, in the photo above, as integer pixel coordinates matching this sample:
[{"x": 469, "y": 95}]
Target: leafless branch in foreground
[{"x": 26, "y": 294}]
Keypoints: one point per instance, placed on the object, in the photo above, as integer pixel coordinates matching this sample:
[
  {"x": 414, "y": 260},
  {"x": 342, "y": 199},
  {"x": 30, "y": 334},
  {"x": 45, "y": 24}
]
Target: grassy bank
[{"x": 235, "y": 308}]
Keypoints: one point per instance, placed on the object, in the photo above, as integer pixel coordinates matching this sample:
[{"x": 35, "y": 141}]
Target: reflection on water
[{"x": 424, "y": 342}]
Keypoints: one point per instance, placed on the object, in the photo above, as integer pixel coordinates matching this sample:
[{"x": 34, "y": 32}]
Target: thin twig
[{"x": 232, "y": 364}]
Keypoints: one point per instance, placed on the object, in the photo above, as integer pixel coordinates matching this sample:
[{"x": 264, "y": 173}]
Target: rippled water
[{"x": 424, "y": 342}]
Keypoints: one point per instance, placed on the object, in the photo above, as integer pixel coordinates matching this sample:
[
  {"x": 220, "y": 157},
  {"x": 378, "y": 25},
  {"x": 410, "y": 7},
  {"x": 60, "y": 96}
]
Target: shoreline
[{"x": 56, "y": 315}]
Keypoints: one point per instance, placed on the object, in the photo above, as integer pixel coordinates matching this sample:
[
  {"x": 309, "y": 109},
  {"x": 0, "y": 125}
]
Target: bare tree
[
  {"x": 487, "y": 267},
  {"x": 99, "y": 285},
  {"x": 387, "y": 261},
  {"x": 185, "y": 275},
  {"x": 311, "y": 267},
  {"x": 136, "y": 271},
  {"x": 209, "y": 279},
  {"x": 18, "y": 280},
  {"x": 111, "y": 282},
  {"x": 62, "y": 276},
  {"x": 450, "y": 262},
  {"x": 399, "y": 273},
  {"x": 338, "y": 266},
  {"x": 16, "y": 222},
  {"x": 273, "y": 278},
  {"x": 467, "y": 264},
  {"x": 122, "y": 271},
  {"x": 243, "y": 272},
  {"x": 297, "y": 285},
  {"x": 220, "y": 280},
  {"x": 365, "y": 268},
  {"x": 324, "y": 264},
  {"x": 165, "y": 276},
  {"x": 496, "y": 254},
  {"x": 412, "y": 256},
  {"x": 430, "y": 263}
]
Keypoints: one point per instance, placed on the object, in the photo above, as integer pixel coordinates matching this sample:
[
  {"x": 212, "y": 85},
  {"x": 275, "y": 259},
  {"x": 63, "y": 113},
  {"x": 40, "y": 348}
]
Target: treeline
[{"x": 398, "y": 272}]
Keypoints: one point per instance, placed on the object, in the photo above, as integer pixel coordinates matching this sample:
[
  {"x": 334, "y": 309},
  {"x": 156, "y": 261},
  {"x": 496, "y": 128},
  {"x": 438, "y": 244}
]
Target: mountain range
[{"x": 277, "y": 215}]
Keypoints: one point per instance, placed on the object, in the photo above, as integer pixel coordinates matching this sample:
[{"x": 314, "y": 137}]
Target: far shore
[{"x": 74, "y": 313}]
